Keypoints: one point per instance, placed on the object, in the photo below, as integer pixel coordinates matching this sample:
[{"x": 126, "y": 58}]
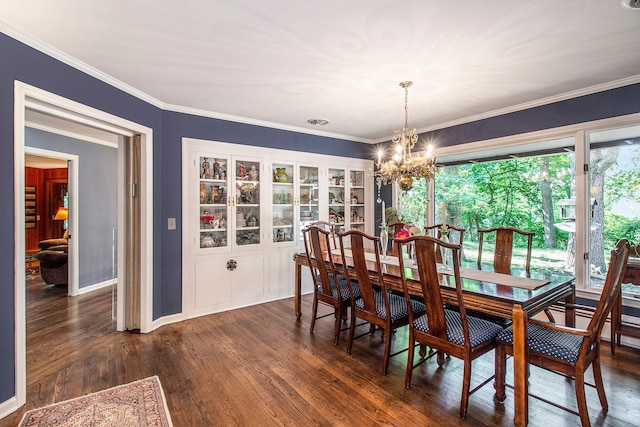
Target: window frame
[{"x": 578, "y": 132}]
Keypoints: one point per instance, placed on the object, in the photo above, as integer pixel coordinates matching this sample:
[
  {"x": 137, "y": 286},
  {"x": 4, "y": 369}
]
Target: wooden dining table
[{"x": 488, "y": 292}]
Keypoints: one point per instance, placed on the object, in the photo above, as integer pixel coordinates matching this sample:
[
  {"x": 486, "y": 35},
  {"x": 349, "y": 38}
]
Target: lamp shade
[{"x": 62, "y": 214}]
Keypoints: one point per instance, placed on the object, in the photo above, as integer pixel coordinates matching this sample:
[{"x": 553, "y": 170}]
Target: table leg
[
  {"x": 570, "y": 310},
  {"x": 520, "y": 366},
  {"x": 298, "y": 290}
]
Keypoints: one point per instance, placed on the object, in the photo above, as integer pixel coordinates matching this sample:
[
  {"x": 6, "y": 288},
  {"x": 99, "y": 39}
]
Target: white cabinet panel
[{"x": 212, "y": 282}]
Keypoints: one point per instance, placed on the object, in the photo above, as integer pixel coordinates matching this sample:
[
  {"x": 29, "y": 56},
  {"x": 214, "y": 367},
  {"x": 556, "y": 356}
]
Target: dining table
[{"x": 518, "y": 296}]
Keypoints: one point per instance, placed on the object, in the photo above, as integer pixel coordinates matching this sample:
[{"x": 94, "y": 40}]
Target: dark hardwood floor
[{"x": 259, "y": 366}]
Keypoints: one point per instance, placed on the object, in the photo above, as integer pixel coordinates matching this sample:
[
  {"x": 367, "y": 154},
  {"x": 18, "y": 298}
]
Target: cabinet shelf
[
  {"x": 283, "y": 226},
  {"x": 214, "y": 230}
]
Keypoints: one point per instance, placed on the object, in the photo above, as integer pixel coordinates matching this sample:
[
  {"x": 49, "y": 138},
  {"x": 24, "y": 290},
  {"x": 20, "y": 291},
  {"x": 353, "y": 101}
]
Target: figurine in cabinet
[
  {"x": 215, "y": 194},
  {"x": 253, "y": 173},
  {"x": 242, "y": 171},
  {"x": 203, "y": 194},
  {"x": 216, "y": 169},
  {"x": 279, "y": 235},
  {"x": 206, "y": 169}
]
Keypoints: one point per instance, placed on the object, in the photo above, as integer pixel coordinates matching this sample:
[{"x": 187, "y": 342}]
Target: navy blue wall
[
  {"x": 20, "y": 62},
  {"x": 602, "y": 105}
]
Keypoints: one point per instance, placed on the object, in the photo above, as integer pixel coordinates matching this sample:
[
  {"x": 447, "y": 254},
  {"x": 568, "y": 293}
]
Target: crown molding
[
  {"x": 532, "y": 104},
  {"x": 263, "y": 123}
]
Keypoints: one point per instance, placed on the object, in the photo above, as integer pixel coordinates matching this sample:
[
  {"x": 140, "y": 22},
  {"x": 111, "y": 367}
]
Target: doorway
[
  {"x": 71, "y": 181},
  {"x": 29, "y": 97}
]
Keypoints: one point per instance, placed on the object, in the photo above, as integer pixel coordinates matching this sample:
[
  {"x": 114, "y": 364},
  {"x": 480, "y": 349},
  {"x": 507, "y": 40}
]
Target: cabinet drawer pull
[{"x": 232, "y": 264}]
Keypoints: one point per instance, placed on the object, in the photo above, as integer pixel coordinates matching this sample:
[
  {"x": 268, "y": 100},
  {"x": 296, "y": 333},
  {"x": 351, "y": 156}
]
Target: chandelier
[{"x": 406, "y": 166}]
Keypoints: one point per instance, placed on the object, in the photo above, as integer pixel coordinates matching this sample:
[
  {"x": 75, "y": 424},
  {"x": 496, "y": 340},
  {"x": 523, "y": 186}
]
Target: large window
[
  {"x": 579, "y": 193},
  {"x": 614, "y": 176}
]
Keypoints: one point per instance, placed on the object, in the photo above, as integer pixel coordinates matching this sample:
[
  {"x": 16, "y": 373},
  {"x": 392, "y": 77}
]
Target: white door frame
[
  {"x": 29, "y": 96},
  {"x": 72, "y": 178}
]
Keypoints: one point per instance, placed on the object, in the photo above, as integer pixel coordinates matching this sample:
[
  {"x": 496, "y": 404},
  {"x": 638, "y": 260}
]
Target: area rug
[{"x": 137, "y": 404}]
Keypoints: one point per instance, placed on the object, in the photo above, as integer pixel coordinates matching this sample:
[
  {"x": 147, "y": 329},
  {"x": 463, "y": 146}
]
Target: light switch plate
[{"x": 171, "y": 223}]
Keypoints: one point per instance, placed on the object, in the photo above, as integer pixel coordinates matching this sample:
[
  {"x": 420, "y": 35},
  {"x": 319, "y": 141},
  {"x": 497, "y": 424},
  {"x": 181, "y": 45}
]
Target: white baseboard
[
  {"x": 96, "y": 286},
  {"x": 9, "y": 406},
  {"x": 167, "y": 320}
]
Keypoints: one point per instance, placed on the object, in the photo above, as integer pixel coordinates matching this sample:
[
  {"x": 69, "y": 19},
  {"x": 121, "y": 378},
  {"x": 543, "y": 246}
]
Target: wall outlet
[{"x": 171, "y": 224}]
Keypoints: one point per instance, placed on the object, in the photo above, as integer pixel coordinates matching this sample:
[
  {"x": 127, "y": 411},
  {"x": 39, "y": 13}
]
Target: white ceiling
[{"x": 282, "y": 62}]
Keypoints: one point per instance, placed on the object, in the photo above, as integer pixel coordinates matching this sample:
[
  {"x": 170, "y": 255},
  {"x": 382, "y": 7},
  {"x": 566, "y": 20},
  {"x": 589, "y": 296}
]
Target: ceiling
[{"x": 282, "y": 62}]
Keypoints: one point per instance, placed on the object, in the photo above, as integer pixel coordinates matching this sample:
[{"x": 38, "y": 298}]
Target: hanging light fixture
[{"x": 405, "y": 166}]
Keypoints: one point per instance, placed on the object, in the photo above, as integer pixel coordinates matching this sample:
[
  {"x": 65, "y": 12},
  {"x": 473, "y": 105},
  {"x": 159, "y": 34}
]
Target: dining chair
[
  {"x": 455, "y": 235},
  {"x": 502, "y": 256},
  {"x": 569, "y": 351},
  {"x": 328, "y": 287},
  {"x": 451, "y": 332},
  {"x": 503, "y": 251},
  {"x": 376, "y": 305}
]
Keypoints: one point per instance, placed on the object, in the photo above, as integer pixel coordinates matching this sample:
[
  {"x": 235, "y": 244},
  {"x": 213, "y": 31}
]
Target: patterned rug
[{"x": 137, "y": 404}]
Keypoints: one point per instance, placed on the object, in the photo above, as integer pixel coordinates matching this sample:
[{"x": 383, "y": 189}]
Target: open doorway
[
  {"x": 47, "y": 202},
  {"x": 31, "y": 98}
]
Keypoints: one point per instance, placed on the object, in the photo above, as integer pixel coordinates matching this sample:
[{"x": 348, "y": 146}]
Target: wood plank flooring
[{"x": 258, "y": 366}]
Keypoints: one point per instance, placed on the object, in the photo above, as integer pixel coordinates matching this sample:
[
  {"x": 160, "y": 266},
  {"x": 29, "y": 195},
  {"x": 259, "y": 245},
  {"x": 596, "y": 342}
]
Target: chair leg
[
  {"x": 338, "y": 322},
  {"x": 597, "y": 376},
  {"x": 387, "y": 351},
  {"x": 440, "y": 358},
  {"x": 352, "y": 329},
  {"x": 409, "y": 370},
  {"x": 466, "y": 384},
  {"x": 582, "y": 401},
  {"x": 549, "y": 315},
  {"x": 314, "y": 313},
  {"x": 501, "y": 371}
]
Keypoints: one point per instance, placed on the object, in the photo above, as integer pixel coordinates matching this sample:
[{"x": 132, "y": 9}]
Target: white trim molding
[{"x": 27, "y": 96}]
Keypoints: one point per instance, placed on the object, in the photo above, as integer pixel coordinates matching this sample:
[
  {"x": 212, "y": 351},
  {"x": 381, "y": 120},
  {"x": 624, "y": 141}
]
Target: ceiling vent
[
  {"x": 631, "y": 4},
  {"x": 320, "y": 122}
]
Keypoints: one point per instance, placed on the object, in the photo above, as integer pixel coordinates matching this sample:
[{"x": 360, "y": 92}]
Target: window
[
  {"x": 541, "y": 184},
  {"x": 524, "y": 191},
  {"x": 614, "y": 177}
]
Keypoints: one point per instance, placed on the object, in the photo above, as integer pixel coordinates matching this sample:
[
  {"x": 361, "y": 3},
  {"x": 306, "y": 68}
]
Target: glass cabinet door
[
  {"x": 337, "y": 197},
  {"x": 247, "y": 202},
  {"x": 356, "y": 199},
  {"x": 282, "y": 211},
  {"x": 213, "y": 202},
  {"x": 308, "y": 195}
]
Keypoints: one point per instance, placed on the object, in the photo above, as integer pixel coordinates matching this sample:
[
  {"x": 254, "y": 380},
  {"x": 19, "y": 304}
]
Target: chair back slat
[
  {"x": 427, "y": 248},
  {"x": 503, "y": 251},
  {"x": 357, "y": 241},
  {"x": 327, "y": 226}
]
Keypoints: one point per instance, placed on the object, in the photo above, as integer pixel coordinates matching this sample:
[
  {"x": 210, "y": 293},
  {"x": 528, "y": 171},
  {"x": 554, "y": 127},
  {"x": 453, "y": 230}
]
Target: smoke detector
[{"x": 631, "y": 4}]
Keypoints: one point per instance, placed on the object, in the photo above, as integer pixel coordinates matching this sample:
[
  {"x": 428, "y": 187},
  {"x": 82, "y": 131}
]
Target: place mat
[
  {"x": 502, "y": 279},
  {"x": 370, "y": 256},
  {"x": 467, "y": 273}
]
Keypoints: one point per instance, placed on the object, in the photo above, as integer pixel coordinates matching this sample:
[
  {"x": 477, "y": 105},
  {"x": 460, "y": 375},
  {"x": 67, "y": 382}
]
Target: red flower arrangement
[{"x": 403, "y": 234}]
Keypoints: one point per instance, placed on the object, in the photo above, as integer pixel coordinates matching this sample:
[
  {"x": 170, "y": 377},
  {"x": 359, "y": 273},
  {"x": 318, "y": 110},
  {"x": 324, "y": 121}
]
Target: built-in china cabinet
[{"x": 243, "y": 212}]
